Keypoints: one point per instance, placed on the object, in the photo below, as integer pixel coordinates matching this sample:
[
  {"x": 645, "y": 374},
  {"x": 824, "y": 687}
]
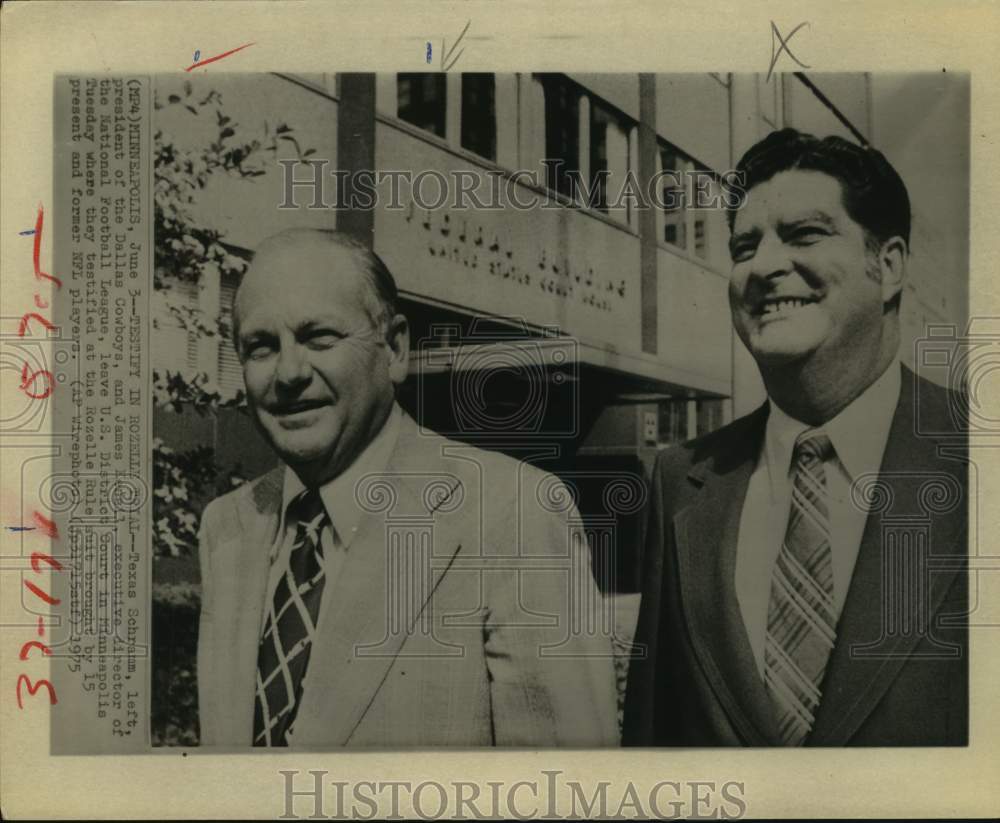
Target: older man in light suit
[{"x": 385, "y": 586}]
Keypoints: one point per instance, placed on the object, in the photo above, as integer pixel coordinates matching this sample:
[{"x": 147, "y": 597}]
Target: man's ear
[
  {"x": 892, "y": 268},
  {"x": 397, "y": 337}
]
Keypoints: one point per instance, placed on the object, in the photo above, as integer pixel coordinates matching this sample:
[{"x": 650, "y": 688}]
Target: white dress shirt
[
  {"x": 858, "y": 434},
  {"x": 341, "y": 506}
]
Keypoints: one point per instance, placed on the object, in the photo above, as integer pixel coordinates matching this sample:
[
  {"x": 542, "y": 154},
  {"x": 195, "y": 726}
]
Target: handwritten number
[
  {"x": 33, "y": 689},
  {"x": 47, "y": 526},
  {"x": 23, "y": 327},
  {"x": 48, "y": 598},
  {"x": 28, "y": 379},
  {"x": 34, "y": 644},
  {"x": 41, "y": 557},
  {"x": 37, "y": 252}
]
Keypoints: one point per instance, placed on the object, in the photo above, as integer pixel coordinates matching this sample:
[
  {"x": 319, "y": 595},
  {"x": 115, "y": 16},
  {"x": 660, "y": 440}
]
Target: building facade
[{"x": 569, "y": 325}]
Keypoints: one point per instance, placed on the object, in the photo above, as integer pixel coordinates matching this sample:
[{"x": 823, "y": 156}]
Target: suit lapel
[
  {"x": 377, "y": 596},
  {"x": 706, "y": 535},
  {"x": 866, "y": 658},
  {"x": 245, "y": 562}
]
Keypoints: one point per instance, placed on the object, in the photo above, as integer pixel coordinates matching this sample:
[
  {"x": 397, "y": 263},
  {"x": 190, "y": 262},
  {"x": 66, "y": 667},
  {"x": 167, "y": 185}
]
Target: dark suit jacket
[{"x": 898, "y": 675}]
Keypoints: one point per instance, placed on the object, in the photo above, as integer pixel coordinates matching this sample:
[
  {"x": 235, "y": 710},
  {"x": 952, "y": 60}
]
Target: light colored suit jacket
[{"x": 465, "y": 613}]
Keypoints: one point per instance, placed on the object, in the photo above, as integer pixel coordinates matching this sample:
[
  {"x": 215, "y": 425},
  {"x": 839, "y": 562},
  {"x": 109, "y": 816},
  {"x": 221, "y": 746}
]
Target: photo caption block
[{"x": 98, "y": 492}]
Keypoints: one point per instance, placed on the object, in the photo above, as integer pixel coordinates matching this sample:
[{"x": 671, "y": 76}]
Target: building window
[
  {"x": 562, "y": 132},
  {"x": 176, "y": 335},
  {"x": 682, "y": 419},
  {"x": 421, "y": 100},
  {"x": 229, "y": 366},
  {"x": 711, "y": 415},
  {"x": 675, "y": 197},
  {"x": 691, "y": 196},
  {"x": 673, "y": 421},
  {"x": 700, "y": 246},
  {"x": 479, "y": 118}
]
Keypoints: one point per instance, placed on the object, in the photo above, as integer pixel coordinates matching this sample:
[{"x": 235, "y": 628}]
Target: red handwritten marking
[
  {"x": 48, "y": 598},
  {"x": 49, "y": 528},
  {"x": 34, "y": 644},
  {"x": 28, "y": 377},
  {"x": 27, "y": 380},
  {"x": 23, "y": 326},
  {"x": 36, "y": 254},
  {"x": 33, "y": 689},
  {"x": 37, "y": 557},
  {"x": 46, "y": 525},
  {"x": 217, "y": 57}
]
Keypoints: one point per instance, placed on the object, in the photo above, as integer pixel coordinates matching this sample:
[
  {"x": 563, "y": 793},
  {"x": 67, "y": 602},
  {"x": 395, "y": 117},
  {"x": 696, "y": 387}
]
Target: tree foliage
[{"x": 185, "y": 250}]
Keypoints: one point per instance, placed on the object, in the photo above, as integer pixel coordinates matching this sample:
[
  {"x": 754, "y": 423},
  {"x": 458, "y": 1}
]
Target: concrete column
[
  {"x": 650, "y": 221},
  {"x": 356, "y": 147}
]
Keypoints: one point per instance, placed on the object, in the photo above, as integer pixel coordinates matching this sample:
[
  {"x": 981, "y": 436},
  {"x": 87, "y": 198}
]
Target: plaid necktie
[
  {"x": 801, "y": 621},
  {"x": 290, "y": 626}
]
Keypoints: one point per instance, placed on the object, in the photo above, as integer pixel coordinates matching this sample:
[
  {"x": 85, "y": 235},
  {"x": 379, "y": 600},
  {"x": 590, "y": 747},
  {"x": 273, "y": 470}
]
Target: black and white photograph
[
  {"x": 477, "y": 411},
  {"x": 590, "y": 403}
]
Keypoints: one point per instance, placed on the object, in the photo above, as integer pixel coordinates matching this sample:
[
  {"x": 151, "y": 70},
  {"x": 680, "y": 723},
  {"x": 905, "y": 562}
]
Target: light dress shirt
[
  {"x": 858, "y": 435},
  {"x": 343, "y": 509}
]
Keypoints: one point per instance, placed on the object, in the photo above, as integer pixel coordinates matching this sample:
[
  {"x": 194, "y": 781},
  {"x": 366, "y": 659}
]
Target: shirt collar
[
  {"x": 858, "y": 433},
  {"x": 338, "y": 494}
]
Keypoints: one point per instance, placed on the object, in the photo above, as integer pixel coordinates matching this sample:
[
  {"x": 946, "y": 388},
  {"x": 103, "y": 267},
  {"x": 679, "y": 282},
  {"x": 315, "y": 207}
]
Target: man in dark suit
[{"x": 804, "y": 566}]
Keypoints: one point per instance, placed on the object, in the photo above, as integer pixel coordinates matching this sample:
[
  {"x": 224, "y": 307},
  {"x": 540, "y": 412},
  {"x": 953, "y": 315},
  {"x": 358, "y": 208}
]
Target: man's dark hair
[{"x": 874, "y": 194}]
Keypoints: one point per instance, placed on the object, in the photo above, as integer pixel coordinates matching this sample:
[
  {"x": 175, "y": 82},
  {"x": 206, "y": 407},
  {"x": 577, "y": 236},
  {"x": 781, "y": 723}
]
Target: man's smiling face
[
  {"x": 804, "y": 284},
  {"x": 319, "y": 374}
]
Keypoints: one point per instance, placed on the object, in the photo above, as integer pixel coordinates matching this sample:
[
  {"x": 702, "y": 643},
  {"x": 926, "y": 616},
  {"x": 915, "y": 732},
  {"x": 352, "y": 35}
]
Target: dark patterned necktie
[
  {"x": 801, "y": 617},
  {"x": 290, "y": 626}
]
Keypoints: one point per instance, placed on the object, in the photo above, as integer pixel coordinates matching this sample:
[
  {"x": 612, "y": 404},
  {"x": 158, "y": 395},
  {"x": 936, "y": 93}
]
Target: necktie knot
[
  {"x": 307, "y": 511},
  {"x": 813, "y": 445},
  {"x": 306, "y": 506}
]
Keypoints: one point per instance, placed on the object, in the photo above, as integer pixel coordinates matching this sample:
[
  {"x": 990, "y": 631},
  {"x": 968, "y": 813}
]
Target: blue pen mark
[
  {"x": 26, "y": 232},
  {"x": 197, "y": 55},
  {"x": 21, "y": 528},
  {"x": 428, "y": 52}
]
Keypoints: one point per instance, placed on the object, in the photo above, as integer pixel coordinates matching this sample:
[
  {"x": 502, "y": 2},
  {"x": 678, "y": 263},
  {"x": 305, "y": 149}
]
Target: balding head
[
  {"x": 331, "y": 254},
  {"x": 321, "y": 346}
]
